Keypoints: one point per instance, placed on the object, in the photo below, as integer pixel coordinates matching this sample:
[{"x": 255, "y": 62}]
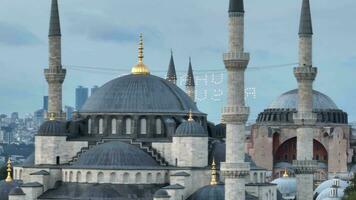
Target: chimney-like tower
[
  {"x": 305, "y": 119},
  {"x": 55, "y": 74},
  {"x": 171, "y": 74},
  {"x": 190, "y": 84},
  {"x": 235, "y": 113}
]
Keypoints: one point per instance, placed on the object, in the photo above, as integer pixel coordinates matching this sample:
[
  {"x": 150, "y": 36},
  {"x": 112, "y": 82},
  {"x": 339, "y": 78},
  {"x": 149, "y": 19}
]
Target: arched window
[
  {"x": 128, "y": 126},
  {"x": 255, "y": 177},
  {"x": 79, "y": 177},
  {"x": 65, "y": 176},
  {"x": 88, "y": 177},
  {"x": 89, "y": 126},
  {"x": 71, "y": 176},
  {"x": 101, "y": 126},
  {"x": 159, "y": 178},
  {"x": 143, "y": 125},
  {"x": 113, "y": 126},
  {"x": 138, "y": 178},
  {"x": 149, "y": 178},
  {"x": 100, "y": 177},
  {"x": 158, "y": 126},
  {"x": 20, "y": 174},
  {"x": 126, "y": 178},
  {"x": 113, "y": 178}
]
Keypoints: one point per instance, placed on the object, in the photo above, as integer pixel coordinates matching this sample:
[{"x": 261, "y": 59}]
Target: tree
[{"x": 350, "y": 192}]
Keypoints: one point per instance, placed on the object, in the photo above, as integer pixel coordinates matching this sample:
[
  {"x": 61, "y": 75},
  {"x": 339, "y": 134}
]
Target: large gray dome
[
  {"x": 115, "y": 154},
  {"x": 137, "y": 94},
  {"x": 289, "y": 100}
]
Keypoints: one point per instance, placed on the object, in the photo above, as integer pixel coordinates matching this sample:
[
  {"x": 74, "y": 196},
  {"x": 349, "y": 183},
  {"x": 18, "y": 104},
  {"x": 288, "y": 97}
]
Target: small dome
[
  {"x": 6, "y": 187},
  {"x": 115, "y": 154},
  {"x": 287, "y": 186},
  {"x": 210, "y": 192},
  {"x": 214, "y": 192},
  {"x": 52, "y": 128},
  {"x": 190, "y": 129},
  {"x": 16, "y": 191},
  {"x": 289, "y": 100},
  {"x": 326, "y": 193},
  {"x": 161, "y": 194},
  {"x": 328, "y": 184}
]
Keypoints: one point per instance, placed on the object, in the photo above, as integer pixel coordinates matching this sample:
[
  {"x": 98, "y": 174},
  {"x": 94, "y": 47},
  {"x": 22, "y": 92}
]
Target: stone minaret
[
  {"x": 190, "y": 84},
  {"x": 235, "y": 113},
  {"x": 55, "y": 74},
  {"x": 171, "y": 74},
  {"x": 305, "y": 74}
]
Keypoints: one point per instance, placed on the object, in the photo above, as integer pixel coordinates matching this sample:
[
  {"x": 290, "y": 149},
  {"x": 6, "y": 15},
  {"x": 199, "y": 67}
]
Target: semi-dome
[
  {"x": 139, "y": 94},
  {"x": 115, "y": 154},
  {"x": 289, "y": 100},
  {"x": 52, "y": 128},
  {"x": 190, "y": 128},
  {"x": 287, "y": 186},
  {"x": 161, "y": 194}
]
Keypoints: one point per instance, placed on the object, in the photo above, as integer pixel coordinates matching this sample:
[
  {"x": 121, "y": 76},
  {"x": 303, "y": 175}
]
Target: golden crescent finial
[
  {"x": 9, "y": 170},
  {"x": 140, "y": 68},
  {"x": 214, "y": 174}
]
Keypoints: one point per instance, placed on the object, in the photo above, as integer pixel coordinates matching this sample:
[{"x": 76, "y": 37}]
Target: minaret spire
[
  {"x": 190, "y": 83},
  {"x": 54, "y": 24},
  {"x": 305, "y": 118},
  {"x": 55, "y": 74},
  {"x": 171, "y": 74},
  {"x": 305, "y": 26},
  {"x": 235, "y": 112}
]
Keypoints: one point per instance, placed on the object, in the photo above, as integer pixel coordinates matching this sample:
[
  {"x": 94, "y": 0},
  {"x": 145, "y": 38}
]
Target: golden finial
[
  {"x": 190, "y": 119},
  {"x": 52, "y": 116},
  {"x": 214, "y": 174},
  {"x": 9, "y": 169},
  {"x": 140, "y": 68},
  {"x": 285, "y": 175}
]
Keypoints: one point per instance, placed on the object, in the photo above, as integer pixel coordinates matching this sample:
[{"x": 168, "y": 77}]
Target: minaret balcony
[
  {"x": 237, "y": 56},
  {"x": 305, "y": 73},
  {"x": 305, "y": 118},
  {"x": 235, "y": 114}
]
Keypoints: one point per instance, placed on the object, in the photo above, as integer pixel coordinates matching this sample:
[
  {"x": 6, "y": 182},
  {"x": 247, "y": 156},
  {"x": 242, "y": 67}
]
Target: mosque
[{"x": 142, "y": 137}]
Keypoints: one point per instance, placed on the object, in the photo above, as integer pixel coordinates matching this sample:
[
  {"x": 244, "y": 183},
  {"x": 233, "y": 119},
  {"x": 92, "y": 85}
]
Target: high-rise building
[
  {"x": 69, "y": 111},
  {"x": 81, "y": 95},
  {"x": 94, "y": 89},
  {"x": 45, "y": 103}
]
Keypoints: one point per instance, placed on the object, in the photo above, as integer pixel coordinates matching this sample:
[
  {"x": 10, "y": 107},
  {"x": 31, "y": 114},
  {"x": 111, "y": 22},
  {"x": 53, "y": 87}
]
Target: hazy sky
[{"x": 103, "y": 34}]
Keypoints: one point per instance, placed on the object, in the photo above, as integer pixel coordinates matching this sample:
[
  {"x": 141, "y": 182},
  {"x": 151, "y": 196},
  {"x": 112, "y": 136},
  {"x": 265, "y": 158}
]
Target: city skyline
[{"x": 270, "y": 38}]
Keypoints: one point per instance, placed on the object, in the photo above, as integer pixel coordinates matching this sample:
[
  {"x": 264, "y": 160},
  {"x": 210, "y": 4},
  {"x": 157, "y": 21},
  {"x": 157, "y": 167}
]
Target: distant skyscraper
[
  {"x": 45, "y": 102},
  {"x": 69, "y": 111},
  {"x": 14, "y": 116},
  {"x": 81, "y": 95},
  {"x": 93, "y": 89}
]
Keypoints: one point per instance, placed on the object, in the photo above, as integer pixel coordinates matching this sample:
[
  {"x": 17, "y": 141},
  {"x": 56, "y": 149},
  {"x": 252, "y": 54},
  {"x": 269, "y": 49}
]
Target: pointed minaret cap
[
  {"x": 236, "y": 6},
  {"x": 190, "y": 75},
  {"x": 171, "y": 74},
  {"x": 305, "y": 26},
  {"x": 54, "y": 24}
]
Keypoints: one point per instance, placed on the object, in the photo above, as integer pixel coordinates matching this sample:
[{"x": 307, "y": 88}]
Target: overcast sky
[{"x": 103, "y": 34}]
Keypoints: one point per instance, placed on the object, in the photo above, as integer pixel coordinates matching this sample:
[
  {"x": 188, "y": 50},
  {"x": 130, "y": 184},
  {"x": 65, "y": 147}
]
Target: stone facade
[{"x": 190, "y": 151}]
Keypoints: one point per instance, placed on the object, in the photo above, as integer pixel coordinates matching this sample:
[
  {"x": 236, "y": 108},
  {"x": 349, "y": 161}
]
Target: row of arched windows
[
  {"x": 128, "y": 126},
  {"x": 88, "y": 177}
]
